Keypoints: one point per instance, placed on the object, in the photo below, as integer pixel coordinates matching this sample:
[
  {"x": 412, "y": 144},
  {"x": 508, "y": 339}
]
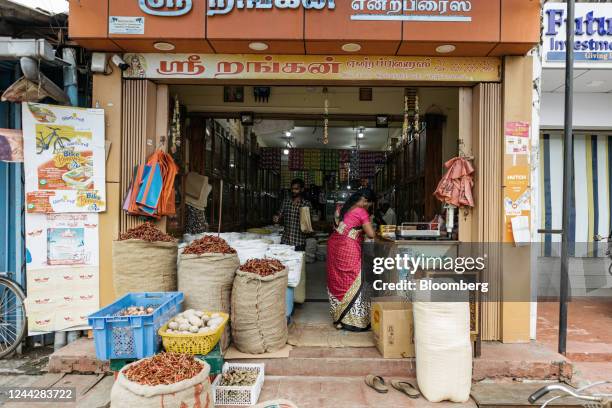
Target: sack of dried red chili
[
  {"x": 258, "y": 317},
  {"x": 206, "y": 278},
  {"x": 165, "y": 380},
  {"x": 144, "y": 260}
]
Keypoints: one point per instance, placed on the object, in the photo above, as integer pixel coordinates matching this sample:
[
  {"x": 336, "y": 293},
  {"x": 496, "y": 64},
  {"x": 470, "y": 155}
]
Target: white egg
[
  {"x": 173, "y": 325},
  {"x": 184, "y": 327}
]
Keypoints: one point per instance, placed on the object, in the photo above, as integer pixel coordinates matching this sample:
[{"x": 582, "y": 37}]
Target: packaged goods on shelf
[{"x": 270, "y": 158}]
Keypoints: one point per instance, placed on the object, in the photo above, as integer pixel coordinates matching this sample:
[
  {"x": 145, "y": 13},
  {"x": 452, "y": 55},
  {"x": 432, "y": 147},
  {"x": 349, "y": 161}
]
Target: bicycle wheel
[
  {"x": 13, "y": 321},
  {"x": 59, "y": 143}
]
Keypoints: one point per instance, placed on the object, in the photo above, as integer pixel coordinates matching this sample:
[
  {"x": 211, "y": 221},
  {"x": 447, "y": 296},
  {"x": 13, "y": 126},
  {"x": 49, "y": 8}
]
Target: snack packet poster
[{"x": 64, "y": 159}]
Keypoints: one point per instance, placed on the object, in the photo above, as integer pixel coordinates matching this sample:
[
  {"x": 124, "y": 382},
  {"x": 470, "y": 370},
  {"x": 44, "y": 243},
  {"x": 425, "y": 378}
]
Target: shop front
[{"x": 251, "y": 95}]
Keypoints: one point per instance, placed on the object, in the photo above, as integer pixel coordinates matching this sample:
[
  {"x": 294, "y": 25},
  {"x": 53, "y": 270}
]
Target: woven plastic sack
[
  {"x": 194, "y": 392},
  {"x": 443, "y": 350},
  {"x": 206, "y": 281},
  {"x": 142, "y": 266},
  {"x": 258, "y": 317}
]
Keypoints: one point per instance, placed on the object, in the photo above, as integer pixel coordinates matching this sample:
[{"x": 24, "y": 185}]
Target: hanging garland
[{"x": 326, "y": 119}]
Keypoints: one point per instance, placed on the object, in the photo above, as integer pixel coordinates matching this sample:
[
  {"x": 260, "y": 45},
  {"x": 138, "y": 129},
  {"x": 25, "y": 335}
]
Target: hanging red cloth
[{"x": 456, "y": 185}]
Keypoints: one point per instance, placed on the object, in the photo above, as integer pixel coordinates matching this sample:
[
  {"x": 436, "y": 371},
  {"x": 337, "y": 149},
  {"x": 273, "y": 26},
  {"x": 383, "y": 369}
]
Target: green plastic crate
[{"x": 214, "y": 359}]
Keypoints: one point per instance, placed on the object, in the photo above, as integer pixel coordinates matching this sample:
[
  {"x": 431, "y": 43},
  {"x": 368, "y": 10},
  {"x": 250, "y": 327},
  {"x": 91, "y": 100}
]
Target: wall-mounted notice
[
  {"x": 64, "y": 159},
  {"x": 62, "y": 277}
]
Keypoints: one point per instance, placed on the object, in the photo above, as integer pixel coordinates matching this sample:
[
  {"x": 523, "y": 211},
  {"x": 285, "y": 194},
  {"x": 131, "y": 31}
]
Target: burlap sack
[
  {"x": 259, "y": 324},
  {"x": 141, "y": 266},
  {"x": 195, "y": 392},
  {"x": 206, "y": 281}
]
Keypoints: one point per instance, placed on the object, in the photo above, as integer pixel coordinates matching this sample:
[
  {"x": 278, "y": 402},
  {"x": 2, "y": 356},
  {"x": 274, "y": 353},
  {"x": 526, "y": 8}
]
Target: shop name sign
[
  {"x": 169, "y": 8},
  {"x": 412, "y": 10},
  {"x": 592, "y": 31},
  {"x": 226, "y": 6},
  {"x": 311, "y": 68}
]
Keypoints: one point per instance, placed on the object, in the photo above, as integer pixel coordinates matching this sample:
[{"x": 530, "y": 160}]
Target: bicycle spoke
[
  {"x": 13, "y": 309},
  {"x": 5, "y": 290}
]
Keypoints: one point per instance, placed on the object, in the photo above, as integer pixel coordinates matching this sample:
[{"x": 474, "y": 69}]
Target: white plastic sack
[
  {"x": 443, "y": 350},
  {"x": 250, "y": 249},
  {"x": 292, "y": 260}
]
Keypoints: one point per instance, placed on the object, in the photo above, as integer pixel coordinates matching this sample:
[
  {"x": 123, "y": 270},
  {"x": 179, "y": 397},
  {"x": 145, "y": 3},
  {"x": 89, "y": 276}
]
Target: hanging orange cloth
[
  {"x": 169, "y": 170},
  {"x": 154, "y": 201},
  {"x": 456, "y": 185}
]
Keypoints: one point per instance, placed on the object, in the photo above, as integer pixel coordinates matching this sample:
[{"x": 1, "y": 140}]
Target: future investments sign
[{"x": 592, "y": 30}]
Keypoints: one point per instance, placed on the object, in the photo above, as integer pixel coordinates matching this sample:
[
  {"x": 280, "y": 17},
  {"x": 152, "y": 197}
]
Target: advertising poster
[
  {"x": 64, "y": 159},
  {"x": 62, "y": 276},
  {"x": 517, "y": 189}
]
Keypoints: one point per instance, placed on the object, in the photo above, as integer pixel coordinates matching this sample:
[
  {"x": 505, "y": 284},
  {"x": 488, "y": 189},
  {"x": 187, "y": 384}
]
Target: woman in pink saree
[{"x": 349, "y": 303}]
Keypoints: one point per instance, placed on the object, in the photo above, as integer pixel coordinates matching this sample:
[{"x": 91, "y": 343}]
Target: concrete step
[
  {"x": 341, "y": 392},
  {"x": 338, "y": 362},
  {"x": 525, "y": 361}
]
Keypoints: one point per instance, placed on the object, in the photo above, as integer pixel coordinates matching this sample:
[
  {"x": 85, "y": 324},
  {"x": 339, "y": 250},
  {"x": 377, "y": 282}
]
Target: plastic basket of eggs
[{"x": 193, "y": 331}]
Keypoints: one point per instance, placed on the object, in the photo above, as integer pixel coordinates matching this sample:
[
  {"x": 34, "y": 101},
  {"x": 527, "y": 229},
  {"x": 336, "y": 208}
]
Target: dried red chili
[
  {"x": 146, "y": 232},
  {"x": 164, "y": 368},
  {"x": 209, "y": 245},
  {"x": 262, "y": 267}
]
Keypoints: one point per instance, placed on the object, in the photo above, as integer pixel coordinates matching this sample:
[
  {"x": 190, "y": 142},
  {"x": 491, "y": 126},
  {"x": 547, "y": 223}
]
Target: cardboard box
[{"x": 393, "y": 327}]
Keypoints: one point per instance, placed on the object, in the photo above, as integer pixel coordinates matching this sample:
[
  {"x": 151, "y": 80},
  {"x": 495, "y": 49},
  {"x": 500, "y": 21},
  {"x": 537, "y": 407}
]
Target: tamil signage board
[
  {"x": 371, "y": 10},
  {"x": 167, "y": 8},
  {"x": 412, "y": 10},
  {"x": 592, "y": 30},
  {"x": 64, "y": 153},
  {"x": 227, "y": 6},
  {"x": 312, "y": 68}
]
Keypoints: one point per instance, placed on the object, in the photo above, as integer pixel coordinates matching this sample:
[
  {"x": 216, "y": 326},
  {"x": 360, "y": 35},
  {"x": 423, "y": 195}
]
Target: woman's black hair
[{"x": 355, "y": 197}]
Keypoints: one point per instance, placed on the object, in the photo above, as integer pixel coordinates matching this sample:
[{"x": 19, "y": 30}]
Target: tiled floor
[
  {"x": 589, "y": 334},
  {"x": 334, "y": 392}
]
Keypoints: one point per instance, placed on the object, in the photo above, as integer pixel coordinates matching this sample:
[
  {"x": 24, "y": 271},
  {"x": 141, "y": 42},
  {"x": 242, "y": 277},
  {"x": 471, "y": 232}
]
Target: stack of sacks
[
  {"x": 250, "y": 249},
  {"x": 291, "y": 259}
]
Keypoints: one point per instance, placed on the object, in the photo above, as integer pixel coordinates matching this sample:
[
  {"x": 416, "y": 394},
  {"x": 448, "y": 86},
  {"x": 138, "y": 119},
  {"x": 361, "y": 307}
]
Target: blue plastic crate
[{"x": 125, "y": 337}]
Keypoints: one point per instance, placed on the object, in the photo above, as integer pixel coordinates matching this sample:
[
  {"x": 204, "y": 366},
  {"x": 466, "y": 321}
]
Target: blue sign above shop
[{"x": 592, "y": 30}]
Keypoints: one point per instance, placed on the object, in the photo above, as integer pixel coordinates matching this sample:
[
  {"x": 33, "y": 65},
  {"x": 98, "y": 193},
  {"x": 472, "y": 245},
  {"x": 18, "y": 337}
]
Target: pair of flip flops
[{"x": 378, "y": 384}]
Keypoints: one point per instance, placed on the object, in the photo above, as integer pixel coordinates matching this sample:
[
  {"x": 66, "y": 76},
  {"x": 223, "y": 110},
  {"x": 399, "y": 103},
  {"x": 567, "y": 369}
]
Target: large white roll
[{"x": 443, "y": 348}]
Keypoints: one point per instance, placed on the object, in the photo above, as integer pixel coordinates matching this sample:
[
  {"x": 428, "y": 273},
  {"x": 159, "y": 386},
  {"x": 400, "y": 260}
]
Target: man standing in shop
[{"x": 290, "y": 215}]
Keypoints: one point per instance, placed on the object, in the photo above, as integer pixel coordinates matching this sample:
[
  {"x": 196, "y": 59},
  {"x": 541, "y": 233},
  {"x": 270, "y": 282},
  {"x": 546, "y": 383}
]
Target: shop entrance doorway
[{"x": 252, "y": 142}]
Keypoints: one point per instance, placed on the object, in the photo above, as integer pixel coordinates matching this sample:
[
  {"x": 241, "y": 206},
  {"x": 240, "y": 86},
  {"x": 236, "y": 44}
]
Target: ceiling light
[
  {"x": 382, "y": 121},
  {"x": 164, "y": 46},
  {"x": 445, "y": 49},
  {"x": 288, "y": 133},
  {"x": 258, "y": 46},
  {"x": 286, "y": 152},
  {"x": 351, "y": 47},
  {"x": 361, "y": 133}
]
